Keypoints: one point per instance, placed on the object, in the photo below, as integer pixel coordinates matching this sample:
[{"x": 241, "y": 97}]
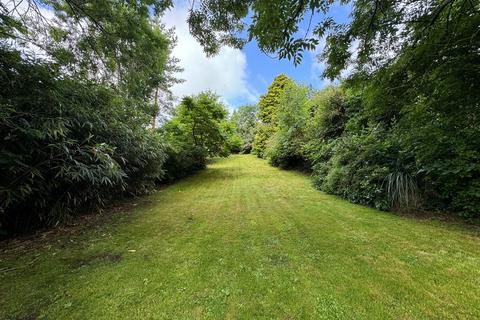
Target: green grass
[{"x": 243, "y": 240}]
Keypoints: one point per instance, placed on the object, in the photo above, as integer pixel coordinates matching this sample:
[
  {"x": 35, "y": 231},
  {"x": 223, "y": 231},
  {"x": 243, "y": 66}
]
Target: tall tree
[
  {"x": 267, "y": 113},
  {"x": 287, "y": 147},
  {"x": 269, "y": 103},
  {"x": 245, "y": 120},
  {"x": 119, "y": 43},
  {"x": 75, "y": 116},
  {"x": 198, "y": 121}
]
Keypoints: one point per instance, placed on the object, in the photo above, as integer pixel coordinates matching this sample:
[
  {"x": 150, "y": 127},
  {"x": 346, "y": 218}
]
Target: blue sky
[
  {"x": 261, "y": 69},
  {"x": 239, "y": 76}
]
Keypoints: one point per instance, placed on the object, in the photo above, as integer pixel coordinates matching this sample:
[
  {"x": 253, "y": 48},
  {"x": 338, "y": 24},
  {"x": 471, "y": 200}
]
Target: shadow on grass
[
  {"x": 107, "y": 257},
  {"x": 445, "y": 218}
]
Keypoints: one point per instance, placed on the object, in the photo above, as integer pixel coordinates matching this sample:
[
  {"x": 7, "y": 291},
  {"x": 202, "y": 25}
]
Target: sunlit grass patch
[{"x": 243, "y": 240}]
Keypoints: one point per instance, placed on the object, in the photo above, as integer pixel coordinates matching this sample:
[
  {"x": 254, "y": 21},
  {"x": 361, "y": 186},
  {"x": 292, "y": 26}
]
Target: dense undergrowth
[
  {"x": 79, "y": 114},
  {"x": 72, "y": 146},
  {"x": 404, "y": 137},
  {"x": 402, "y": 130},
  {"x": 424, "y": 155}
]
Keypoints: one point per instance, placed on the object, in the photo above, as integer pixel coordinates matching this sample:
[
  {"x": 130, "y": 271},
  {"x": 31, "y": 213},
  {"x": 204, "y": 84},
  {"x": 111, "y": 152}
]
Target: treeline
[
  {"x": 388, "y": 149},
  {"x": 79, "y": 102},
  {"x": 72, "y": 146},
  {"x": 402, "y": 131}
]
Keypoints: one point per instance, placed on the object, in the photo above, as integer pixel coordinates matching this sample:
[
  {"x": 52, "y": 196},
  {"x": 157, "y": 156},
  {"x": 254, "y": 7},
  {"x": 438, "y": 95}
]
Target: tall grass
[{"x": 403, "y": 192}]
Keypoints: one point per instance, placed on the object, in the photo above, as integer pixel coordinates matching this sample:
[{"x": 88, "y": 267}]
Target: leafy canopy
[
  {"x": 245, "y": 120},
  {"x": 198, "y": 122},
  {"x": 379, "y": 28}
]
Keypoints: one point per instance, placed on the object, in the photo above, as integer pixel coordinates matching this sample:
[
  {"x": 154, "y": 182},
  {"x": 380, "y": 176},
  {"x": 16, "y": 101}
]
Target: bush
[
  {"x": 233, "y": 141},
  {"x": 419, "y": 154},
  {"x": 355, "y": 170},
  {"x": 445, "y": 142},
  {"x": 68, "y": 147},
  {"x": 234, "y": 144},
  {"x": 356, "y": 160},
  {"x": 246, "y": 149},
  {"x": 183, "y": 160}
]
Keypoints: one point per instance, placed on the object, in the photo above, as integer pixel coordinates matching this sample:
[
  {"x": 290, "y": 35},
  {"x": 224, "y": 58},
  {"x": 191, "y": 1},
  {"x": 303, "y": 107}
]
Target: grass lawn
[{"x": 243, "y": 240}]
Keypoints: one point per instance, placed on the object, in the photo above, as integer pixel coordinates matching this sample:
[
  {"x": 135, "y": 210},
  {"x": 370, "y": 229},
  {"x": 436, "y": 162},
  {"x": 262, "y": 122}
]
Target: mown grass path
[{"x": 243, "y": 240}]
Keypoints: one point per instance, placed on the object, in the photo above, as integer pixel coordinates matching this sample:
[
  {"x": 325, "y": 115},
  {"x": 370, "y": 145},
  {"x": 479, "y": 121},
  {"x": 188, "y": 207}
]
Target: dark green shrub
[
  {"x": 68, "y": 146},
  {"x": 183, "y": 160},
  {"x": 445, "y": 142},
  {"x": 246, "y": 149},
  {"x": 356, "y": 170}
]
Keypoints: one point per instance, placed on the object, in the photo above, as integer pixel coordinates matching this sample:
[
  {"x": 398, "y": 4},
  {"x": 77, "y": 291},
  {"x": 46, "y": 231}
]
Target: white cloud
[{"x": 224, "y": 73}]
